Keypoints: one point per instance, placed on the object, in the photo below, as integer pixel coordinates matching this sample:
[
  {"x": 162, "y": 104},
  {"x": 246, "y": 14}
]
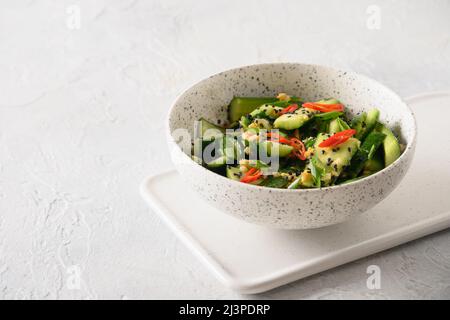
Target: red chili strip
[
  {"x": 289, "y": 109},
  {"x": 322, "y": 107},
  {"x": 251, "y": 175},
  {"x": 337, "y": 138}
]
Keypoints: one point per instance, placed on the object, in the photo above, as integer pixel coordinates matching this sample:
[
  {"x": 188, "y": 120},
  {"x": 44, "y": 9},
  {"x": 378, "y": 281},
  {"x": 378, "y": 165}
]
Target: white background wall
[{"x": 81, "y": 124}]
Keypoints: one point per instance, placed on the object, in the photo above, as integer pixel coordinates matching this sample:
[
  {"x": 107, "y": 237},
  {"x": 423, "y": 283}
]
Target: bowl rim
[{"x": 408, "y": 149}]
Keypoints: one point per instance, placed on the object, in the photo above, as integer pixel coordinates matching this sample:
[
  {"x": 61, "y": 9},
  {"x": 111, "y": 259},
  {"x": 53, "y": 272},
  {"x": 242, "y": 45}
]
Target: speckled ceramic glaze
[{"x": 282, "y": 208}]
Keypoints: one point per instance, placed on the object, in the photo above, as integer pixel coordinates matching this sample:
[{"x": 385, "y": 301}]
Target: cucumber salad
[{"x": 284, "y": 142}]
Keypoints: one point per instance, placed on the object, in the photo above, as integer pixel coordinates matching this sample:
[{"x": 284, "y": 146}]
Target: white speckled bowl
[{"x": 282, "y": 208}]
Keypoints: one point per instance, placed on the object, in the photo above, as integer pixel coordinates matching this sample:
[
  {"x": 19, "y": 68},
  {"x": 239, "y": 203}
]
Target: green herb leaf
[
  {"x": 371, "y": 152},
  {"x": 258, "y": 164},
  {"x": 328, "y": 115},
  {"x": 309, "y": 142},
  {"x": 316, "y": 172},
  {"x": 275, "y": 182},
  {"x": 342, "y": 124},
  {"x": 365, "y": 152}
]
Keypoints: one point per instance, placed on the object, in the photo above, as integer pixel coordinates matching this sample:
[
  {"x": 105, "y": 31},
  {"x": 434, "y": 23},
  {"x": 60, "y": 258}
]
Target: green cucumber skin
[
  {"x": 375, "y": 164},
  {"x": 290, "y": 121},
  {"x": 227, "y": 147},
  {"x": 233, "y": 173},
  {"x": 208, "y": 127},
  {"x": 391, "y": 147},
  {"x": 373, "y": 140},
  {"x": 219, "y": 162},
  {"x": 364, "y": 123},
  {"x": 241, "y": 106},
  {"x": 335, "y": 159},
  {"x": 266, "y": 111},
  {"x": 270, "y": 147},
  {"x": 334, "y": 126},
  {"x": 358, "y": 123},
  {"x": 337, "y": 125},
  {"x": 372, "y": 118},
  {"x": 294, "y": 120}
]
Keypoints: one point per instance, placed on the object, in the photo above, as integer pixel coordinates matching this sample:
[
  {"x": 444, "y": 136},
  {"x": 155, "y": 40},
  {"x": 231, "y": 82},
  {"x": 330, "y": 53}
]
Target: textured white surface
[{"x": 81, "y": 120}]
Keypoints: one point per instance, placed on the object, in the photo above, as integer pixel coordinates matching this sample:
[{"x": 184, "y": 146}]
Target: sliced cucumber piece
[
  {"x": 273, "y": 148},
  {"x": 365, "y": 152},
  {"x": 241, "y": 106},
  {"x": 391, "y": 146},
  {"x": 244, "y": 122},
  {"x": 225, "y": 151},
  {"x": 210, "y": 131},
  {"x": 337, "y": 125},
  {"x": 375, "y": 164},
  {"x": 266, "y": 111},
  {"x": 233, "y": 173},
  {"x": 334, "y": 159},
  {"x": 291, "y": 121},
  {"x": 218, "y": 162},
  {"x": 359, "y": 123},
  {"x": 372, "y": 118},
  {"x": 260, "y": 124},
  {"x": 334, "y": 126},
  {"x": 364, "y": 123}
]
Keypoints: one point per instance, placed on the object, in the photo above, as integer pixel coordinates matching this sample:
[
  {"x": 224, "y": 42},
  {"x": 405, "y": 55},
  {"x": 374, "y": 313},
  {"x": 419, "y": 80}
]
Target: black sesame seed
[{"x": 349, "y": 149}]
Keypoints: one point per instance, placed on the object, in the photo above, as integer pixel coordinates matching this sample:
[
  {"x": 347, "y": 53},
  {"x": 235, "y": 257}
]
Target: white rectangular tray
[{"x": 252, "y": 259}]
